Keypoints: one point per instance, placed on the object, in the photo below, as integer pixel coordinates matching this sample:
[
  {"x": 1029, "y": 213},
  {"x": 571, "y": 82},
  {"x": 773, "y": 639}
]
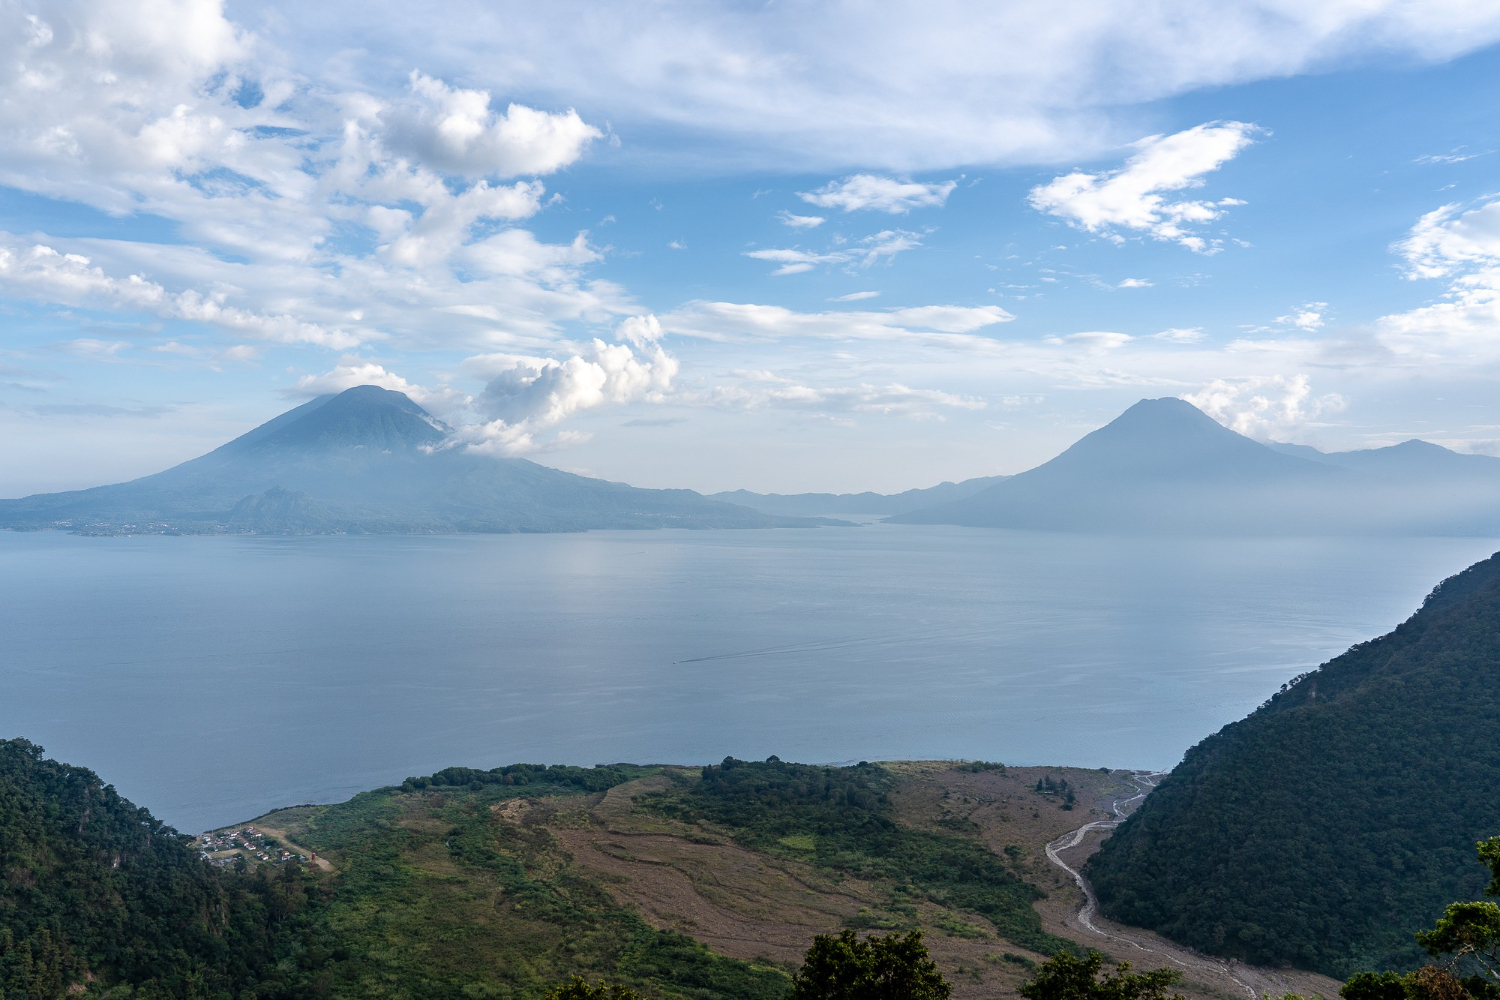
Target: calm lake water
[{"x": 211, "y": 679}]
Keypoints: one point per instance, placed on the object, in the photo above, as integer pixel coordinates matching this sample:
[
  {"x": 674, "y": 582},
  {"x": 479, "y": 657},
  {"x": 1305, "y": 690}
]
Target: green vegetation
[
  {"x": 1466, "y": 939},
  {"x": 437, "y": 896},
  {"x": 578, "y": 989},
  {"x": 1064, "y": 977},
  {"x": 841, "y": 818},
  {"x": 894, "y": 967},
  {"x": 1317, "y": 831},
  {"x": 95, "y": 889}
]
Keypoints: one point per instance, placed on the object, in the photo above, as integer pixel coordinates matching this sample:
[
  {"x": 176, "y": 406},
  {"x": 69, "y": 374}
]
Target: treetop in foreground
[{"x": 893, "y": 967}]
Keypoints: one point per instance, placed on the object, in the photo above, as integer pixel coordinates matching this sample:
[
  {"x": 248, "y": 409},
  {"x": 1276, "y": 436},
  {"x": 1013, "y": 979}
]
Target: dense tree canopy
[
  {"x": 95, "y": 888},
  {"x": 1319, "y": 830}
]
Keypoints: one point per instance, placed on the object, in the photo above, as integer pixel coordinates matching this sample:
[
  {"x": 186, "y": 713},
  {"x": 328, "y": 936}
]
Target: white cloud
[
  {"x": 1135, "y": 283},
  {"x": 456, "y": 131},
  {"x": 354, "y": 371},
  {"x": 1454, "y": 157},
  {"x": 863, "y": 253},
  {"x": 1308, "y": 316},
  {"x": 855, "y": 297},
  {"x": 318, "y": 212},
  {"x": 946, "y": 326},
  {"x": 759, "y": 389},
  {"x": 1448, "y": 240},
  {"x": 799, "y": 221},
  {"x": 906, "y": 87},
  {"x": 1181, "y": 335},
  {"x": 42, "y": 272},
  {"x": 1092, "y": 341},
  {"x": 1265, "y": 406},
  {"x": 880, "y": 194},
  {"x": 1464, "y": 327},
  {"x": 527, "y": 396},
  {"x": 1135, "y": 197}
]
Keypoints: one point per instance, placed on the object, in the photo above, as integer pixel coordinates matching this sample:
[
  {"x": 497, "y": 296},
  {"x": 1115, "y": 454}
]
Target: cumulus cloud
[
  {"x": 42, "y": 272},
  {"x": 863, "y": 253},
  {"x": 457, "y": 131},
  {"x": 527, "y": 396},
  {"x": 1448, "y": 240},
  {"x": 1268, "y": 407},
  {"x": 1136, "y": 197},
  {"x": 1308, "y": 316},
  {"x": 1135, "y": 283},
  {"x": 879, "y": 194},
  {"x": 317, "y": 212},
  {"x": 1462, "y": 246}
]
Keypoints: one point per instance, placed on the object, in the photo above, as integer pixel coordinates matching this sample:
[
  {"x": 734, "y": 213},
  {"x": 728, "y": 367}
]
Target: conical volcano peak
[
  {"x": 365, "y": 416},
  {"x": 1171, "y": 437},
  {"x": 1167, "y": 414}
]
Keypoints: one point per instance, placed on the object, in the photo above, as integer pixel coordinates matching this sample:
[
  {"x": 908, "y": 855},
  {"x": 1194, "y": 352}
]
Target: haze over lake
[{"x": 214, "y": 678}]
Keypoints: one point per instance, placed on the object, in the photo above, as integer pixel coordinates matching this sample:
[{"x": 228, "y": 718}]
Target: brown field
[{"x": 751, "y": 905}]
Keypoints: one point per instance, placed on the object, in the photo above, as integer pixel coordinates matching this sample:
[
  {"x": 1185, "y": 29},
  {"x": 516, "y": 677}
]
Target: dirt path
[
  {"x": 286, "y": 839},
  {"x": 1252, "y": 981}
]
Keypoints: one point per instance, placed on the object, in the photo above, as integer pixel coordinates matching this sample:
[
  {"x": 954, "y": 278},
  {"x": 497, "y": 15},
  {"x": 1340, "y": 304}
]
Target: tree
[
  {"x": 578, "y": 989},
  {"x": 1064, "y": 977},
  {"x": 894, "y": 967}
]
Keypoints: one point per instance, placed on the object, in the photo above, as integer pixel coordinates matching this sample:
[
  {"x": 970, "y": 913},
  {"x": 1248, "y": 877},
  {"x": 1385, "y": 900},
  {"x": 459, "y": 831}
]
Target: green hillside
[
  {"x": 507, "y": 882},
  {"x": 1341, "y": 816},
  {"x": 93, "y": 889}
]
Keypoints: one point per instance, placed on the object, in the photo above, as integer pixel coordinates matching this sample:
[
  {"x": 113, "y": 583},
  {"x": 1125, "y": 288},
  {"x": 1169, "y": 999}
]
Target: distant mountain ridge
[
  {"x": 1164, "y": 466},
  {"x": 1340, "y": 817},
  {"x": 835, "y": 504},
  {"x": 367, "y": 460}
]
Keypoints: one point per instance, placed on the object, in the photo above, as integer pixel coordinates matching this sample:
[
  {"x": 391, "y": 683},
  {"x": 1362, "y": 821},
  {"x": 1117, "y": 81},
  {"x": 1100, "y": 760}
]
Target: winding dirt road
[{"x": 1251, "y": 981}]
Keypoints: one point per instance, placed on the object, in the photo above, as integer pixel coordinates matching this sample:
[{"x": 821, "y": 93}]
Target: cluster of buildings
[{"x": 221, "y": 847}]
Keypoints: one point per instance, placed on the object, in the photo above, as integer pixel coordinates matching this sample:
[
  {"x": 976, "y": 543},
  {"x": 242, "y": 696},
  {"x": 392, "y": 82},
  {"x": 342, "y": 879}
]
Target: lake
[{"x": 212, "y": 679}]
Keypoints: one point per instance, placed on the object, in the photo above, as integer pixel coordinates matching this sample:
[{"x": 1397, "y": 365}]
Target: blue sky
[{"x": 778, "y": 246}]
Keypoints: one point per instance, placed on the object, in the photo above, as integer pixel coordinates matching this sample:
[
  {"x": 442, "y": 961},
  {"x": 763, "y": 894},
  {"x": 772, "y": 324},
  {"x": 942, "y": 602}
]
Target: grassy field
[{"x": 463, "y": 886}]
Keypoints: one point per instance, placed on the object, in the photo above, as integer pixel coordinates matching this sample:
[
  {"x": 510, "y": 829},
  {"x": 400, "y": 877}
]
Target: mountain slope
[
  {"x": 1163, "y": 466},
  {"x": 96, "y": 888},
  {"x": 1341, "y": 816},
  {"x": 833, "y": 504},
  {"x": 368, "y": 460}
]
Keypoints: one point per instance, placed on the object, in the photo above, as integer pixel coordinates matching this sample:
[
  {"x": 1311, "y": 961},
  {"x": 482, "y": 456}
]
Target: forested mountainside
[
  {"x": 683, "y": 883},
  {"x": 1341, "y": 816},
  {"x": 96, "y": 890}
]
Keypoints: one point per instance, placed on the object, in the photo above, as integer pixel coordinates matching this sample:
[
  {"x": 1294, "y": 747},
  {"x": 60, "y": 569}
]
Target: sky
[{"x": 781, "y": 246}]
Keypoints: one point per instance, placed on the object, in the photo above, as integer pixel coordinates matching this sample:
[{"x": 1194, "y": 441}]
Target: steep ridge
[
  {"x": 1327, "y": 827},
  {"x": 368, "y": 460},
  {"x": 95, "y": 888},
  {"x": 1163, "y": 466}
]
